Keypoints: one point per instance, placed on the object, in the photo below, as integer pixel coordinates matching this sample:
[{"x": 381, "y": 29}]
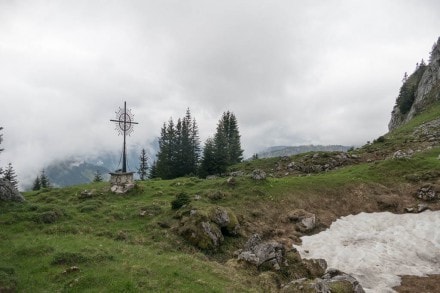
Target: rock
[
  {"x": 121, "y": 189},
  {"x": 336, "y": 281},
  {"x": 197, "y": 197},
  {"x": 211, "y": 177},
  {"x": 426, "y": 92},
  {"x": 421, "y": 207},
  {"x": 270, "y": 254},
  {"x": 225, "y": 219},
  {"x": 206, "y": 229},
  {"x": 86, "y": 194},
  {"x": 304, "y": 221},
  {"x": 427, "y": 193},
  {"x": 400, "y": 155},
  {"x": 8, "y": 192},
  {"x": 231, "y": 181},
  {"x": 258, "y": 174}
]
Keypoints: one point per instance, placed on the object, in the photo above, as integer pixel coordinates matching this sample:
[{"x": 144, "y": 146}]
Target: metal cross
[{"x": 124, "y": 120}]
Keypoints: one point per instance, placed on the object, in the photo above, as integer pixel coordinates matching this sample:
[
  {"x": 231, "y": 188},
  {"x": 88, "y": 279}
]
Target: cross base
[{"x": 121, "y": 182}]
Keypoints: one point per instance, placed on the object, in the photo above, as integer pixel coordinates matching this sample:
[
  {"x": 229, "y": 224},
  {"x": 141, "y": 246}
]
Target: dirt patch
[{"x": 410, "y": 284}]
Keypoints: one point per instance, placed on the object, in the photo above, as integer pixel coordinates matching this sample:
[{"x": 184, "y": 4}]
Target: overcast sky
[{"x": 293, "y": 72}]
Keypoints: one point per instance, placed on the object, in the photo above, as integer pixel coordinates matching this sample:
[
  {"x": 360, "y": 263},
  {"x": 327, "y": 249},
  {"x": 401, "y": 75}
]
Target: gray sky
[{"x": 293, "y": 72}]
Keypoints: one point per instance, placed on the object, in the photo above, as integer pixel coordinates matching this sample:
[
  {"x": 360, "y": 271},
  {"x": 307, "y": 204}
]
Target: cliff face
[{"x": 424, "y": 90}]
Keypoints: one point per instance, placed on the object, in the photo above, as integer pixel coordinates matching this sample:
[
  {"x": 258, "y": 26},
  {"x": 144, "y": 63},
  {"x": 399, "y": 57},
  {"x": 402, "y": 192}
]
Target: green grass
[{"x": 129, "y": 243}]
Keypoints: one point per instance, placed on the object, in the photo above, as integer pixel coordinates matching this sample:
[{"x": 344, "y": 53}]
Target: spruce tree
[
  {"x": 208, "y": 165},
  {"x": 37, "y": 184},
  {"x": 9, "y": 174},
  {"x": 44, "y": 180},
  {"x": 98, "y": 177},
  {"x": 143, "y": 165},
  {"x": 153, "y": 171},
  {"x": 179, "y": 148},
  {"x": 226, "y": 143}
]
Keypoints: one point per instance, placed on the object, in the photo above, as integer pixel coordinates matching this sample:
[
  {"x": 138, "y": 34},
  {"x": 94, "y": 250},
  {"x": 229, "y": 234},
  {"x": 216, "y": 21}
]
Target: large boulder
[
  {"x": 273, "y": 256},
  {"x": 304, "y": 221},
  {"x": 332, "y": 281},
  {"x": 206, "y": 229},
  {"x": 256, "y": 252},
  {"x": 8, "y": 192}
]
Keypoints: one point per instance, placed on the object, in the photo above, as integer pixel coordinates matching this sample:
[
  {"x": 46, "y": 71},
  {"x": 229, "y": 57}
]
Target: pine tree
[
  {"x": 37, "y": 184},
  {"x": 143, "y": 165},
  {"x": 44, "y": 180},
  {"x": 179, "y": 148},
  {"x": 226, "y": 143},
  {"x": 98, "y": 177},
  {"x": 9, "y": 174},
  {"x": 153, "y": 172},
  {"x": 209, "y": 164}
]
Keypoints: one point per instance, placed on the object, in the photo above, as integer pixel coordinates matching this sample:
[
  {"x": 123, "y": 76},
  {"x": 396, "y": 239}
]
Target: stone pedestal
[{"x": 121, "y": 182}]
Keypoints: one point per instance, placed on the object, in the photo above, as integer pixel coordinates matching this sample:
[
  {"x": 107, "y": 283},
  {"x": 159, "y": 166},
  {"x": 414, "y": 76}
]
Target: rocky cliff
[{"x": 419, "y": 91}]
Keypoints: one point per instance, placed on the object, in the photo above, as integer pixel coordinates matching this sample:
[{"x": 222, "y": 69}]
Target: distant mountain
[
  {"x": 73, "y": 172},
  {"x": 280, "y": 151}
]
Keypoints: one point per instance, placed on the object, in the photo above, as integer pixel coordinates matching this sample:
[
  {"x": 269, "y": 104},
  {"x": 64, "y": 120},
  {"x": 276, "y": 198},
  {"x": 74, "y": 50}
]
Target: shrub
[
  {"x": 180, "y": 200},
  {"x": 69, "y": 258}
]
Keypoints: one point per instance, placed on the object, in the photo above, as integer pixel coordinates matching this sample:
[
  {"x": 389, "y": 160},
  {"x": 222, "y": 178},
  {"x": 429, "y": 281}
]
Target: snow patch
[{"x": 376, "y": 248}]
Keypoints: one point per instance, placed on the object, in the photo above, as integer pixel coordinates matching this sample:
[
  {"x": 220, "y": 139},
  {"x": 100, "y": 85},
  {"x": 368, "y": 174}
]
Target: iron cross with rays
[{"x": 124, "y": 125}]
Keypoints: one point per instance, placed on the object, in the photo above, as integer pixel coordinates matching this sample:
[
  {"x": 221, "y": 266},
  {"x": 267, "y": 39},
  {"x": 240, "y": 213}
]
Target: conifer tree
[
  {"x": 179, "y": 148},
  {"x": 98, "y": 177},
  {"x": 44, "y": 180},
  {"x": 143, "y": 165},
  {"x": 9, "y": 174},
  {"x": 225, "y": 149},
  {"x": 37, "y": 184},
  {"x": 209, "y": 164},
  {"x": 153, "y": 172}
]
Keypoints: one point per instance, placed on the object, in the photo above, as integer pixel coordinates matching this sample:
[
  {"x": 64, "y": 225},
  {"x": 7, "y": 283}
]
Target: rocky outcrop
[
  {"x": 206, "y": 229},
  {"x": 272, "y": 256},
  {"x": 332, "y": 281},
  {"x": 314, "y": 163},
  {"x": 427, "y": 90},
  {"x": 258, "y": 174},
  {"x": 8, "y": 192},
  {"x": 303, "y": 220}
]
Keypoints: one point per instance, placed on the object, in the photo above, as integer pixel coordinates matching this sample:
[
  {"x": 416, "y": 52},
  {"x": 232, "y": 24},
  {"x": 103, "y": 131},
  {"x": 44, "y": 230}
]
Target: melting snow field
[{"x": 375, "y": 248}]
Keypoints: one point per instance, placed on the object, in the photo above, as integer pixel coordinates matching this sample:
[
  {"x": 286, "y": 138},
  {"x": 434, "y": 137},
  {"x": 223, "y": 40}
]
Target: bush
[
  {"x": 69, "y": 258},
  {"x": 380, "y": 139},
  {"x": 180, "y": 200}
]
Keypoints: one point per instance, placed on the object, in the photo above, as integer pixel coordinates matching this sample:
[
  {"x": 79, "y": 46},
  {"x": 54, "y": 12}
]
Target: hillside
[
  {"x": 84, "y": 237},
  {"x": 224, "y": 234},
  {"x": 280, "y": 151}
]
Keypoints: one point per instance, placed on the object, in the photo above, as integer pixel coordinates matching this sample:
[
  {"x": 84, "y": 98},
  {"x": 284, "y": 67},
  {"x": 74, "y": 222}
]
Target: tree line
[{"x": 180, "y": 153}]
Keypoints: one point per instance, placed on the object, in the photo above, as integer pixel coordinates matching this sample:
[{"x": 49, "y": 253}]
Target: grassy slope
[{"x": 118, "y": 250}]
